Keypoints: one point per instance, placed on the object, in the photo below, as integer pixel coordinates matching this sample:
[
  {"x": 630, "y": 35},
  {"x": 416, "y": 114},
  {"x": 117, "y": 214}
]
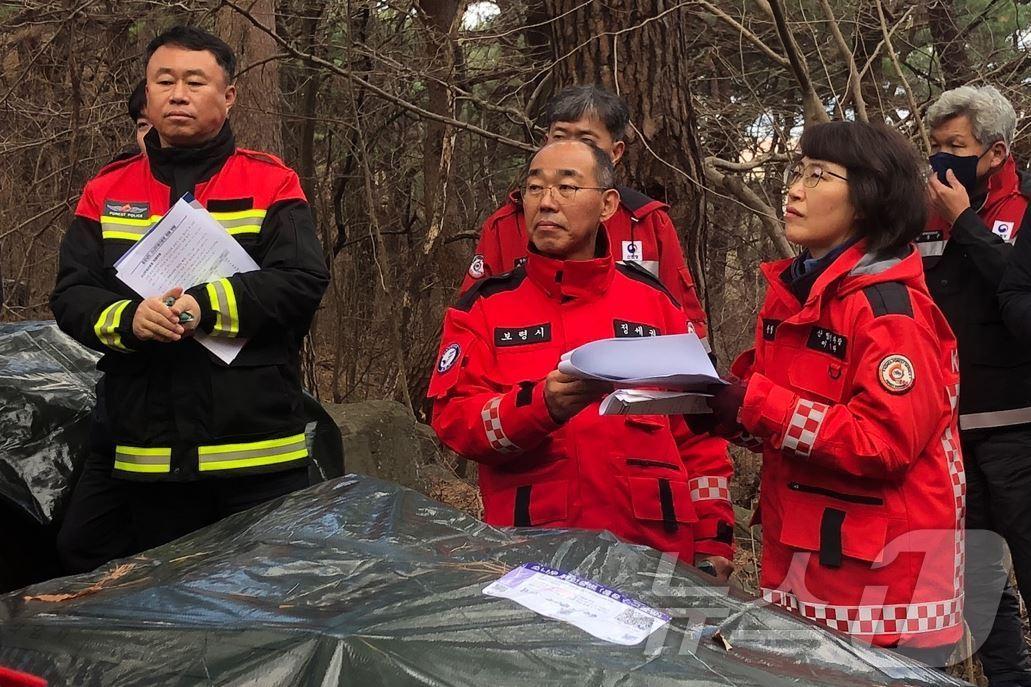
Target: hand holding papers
[
  {"x": 187, "y": 247},
  {"x": 677, "y": 365}
]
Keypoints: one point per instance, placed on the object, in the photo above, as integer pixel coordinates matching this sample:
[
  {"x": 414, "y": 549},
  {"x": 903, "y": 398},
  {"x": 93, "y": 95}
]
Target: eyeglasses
[
  {"x": 810, "y": 175},
  {"x": 564, "y": 191}
]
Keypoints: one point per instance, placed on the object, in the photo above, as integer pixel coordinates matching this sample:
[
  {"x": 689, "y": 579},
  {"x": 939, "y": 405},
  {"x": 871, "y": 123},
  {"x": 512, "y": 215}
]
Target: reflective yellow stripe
[
  {"x": 133, "y": 467},
  {"x": 238, "y": 214},
  {"x": 254, "y": 445},
  {"x": 223, "y": 302},
  {"x": 216, "y": 306},
  {"x": 241, "y": 463},
  {"x": 241, "y": 221},
  {"x": 244, "y": 229},
  {"x": 121, "y": 235},
  {"x": 106, "y": 326},
  {"x": 120, "y": 227},
  {"x": 253, "y": 454},
  {"x": 143, "y": 459}
]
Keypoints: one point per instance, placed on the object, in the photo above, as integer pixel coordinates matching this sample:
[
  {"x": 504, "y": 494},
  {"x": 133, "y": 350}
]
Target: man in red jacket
[
  {"x": 547, "y": 457},
  {"x": 640, "y": 229}
]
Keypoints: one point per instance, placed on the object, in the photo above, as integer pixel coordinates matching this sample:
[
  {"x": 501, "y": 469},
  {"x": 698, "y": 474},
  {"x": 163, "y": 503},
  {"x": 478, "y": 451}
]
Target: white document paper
[
  {"x": 653, "y": 402},
  {"x": 185, "y": 248},
  {"x": 673, "y": 362},
  {"x": 594, "y": 608}
]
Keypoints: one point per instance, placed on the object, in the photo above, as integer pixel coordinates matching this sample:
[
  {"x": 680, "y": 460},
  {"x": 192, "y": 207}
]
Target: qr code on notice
[{"x": 636, "y": 620}]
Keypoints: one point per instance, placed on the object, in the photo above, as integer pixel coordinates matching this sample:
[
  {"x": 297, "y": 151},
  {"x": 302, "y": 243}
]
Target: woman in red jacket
[{"x": 850, "y": 395}]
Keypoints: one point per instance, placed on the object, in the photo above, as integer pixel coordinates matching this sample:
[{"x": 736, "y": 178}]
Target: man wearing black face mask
[{"x": 977, "y": 207}]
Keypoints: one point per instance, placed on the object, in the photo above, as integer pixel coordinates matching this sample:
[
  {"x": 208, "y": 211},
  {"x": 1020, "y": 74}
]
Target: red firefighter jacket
[
  {"x": 176, "y": 411},
  {"x": 644, "y": 478},
  {"x": 641, "y": 231},
  {"x": 851, "y": 399}
]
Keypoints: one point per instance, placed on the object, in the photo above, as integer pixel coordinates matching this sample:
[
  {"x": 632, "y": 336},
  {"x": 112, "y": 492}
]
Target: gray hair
[
  {"x": 604, "y": 170},
  {"x": 991, "y": 115}
]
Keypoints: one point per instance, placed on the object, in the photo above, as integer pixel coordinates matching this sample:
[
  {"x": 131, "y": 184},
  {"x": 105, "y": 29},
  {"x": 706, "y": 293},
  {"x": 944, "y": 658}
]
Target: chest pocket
[{"x": 821, "y": 375}]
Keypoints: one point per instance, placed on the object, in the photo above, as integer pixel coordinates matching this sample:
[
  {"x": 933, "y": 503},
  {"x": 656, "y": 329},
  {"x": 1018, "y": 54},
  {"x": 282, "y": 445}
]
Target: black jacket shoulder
[
  {"x": 889, "y": 298},
  {"x": 638, "y": 273},
  {"x": 508, "y": 281}
]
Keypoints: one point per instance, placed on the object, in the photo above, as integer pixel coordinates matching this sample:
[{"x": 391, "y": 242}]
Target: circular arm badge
[
  {"x": 896, "y": 374},
  {"x": 476, "y": 267},
  {"x": 448, "y": 358}
]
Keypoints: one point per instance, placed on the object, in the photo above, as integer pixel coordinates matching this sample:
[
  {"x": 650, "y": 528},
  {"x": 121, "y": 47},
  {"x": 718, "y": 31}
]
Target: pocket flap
[
  {"x": 820, "y": 374},
  {"x": 653, "y": 497},
  {"x": 863, "y": 533},
  {"x": 649, "y": 423}
]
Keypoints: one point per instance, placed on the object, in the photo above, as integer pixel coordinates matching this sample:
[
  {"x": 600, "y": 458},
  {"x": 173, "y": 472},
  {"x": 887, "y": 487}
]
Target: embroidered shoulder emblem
[
  {"x": 448, "y": 358},
  {"x": 896, "y": 374},
  {"x": 476, "y": 269}
]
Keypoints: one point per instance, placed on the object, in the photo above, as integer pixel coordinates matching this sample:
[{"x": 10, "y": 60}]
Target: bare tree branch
[{"x": 854, "y": 81}]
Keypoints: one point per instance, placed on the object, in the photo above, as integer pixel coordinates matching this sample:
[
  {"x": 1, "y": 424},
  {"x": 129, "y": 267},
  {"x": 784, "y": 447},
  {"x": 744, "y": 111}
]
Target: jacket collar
[
  {"x": 854, "y": 269},
  {"x": 183, "y": 168},
  {"x": 1002, "y": 185},
  {"x": 566, "y": 279}
]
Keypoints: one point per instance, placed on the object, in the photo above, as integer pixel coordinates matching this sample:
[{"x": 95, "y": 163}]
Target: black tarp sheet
[
  {"x": 46, "y": 395},
  {"x": 360, "y": 582},
  {"x": 47, "y": 392}
]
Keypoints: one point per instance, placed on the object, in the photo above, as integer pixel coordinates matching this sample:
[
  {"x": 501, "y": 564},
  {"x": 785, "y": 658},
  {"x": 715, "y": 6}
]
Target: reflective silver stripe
[
  {"x": 995, "y": 418},
  {"x": 931, "y": 248}
]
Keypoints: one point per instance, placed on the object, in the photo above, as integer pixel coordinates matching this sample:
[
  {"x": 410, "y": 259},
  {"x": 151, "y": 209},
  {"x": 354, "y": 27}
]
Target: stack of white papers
[
  {"x": 185, "y": 248},
  {"x": 676, "y": 369},
  {"x": 653, "y": 402}
]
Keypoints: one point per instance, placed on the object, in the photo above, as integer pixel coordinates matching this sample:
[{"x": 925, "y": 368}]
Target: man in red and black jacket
[
  {"x": 978, "y": 202},
  {"x": 640, "y": 230},
  {"x": 547, "y": 458},
  {"x": 200, "y": 439}
]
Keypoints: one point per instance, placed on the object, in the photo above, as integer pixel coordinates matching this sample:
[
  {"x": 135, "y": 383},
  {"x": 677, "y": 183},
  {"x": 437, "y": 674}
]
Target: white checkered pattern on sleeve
[
  {"x": 492, "y": 425},
  {"x": 804, "y": 426},
  {"x": 709, "y": 488}
]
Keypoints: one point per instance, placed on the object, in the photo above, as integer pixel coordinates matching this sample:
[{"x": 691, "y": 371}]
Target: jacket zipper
[
  {"x": 640, "y": 462},
  {"x": 851, "y": 498}
]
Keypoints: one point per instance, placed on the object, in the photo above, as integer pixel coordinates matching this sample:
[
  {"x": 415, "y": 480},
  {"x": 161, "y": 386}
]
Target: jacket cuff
[
  {"x": 517, "y": 421},
  {"x": 207, "y": 313},
  {"x": 767, "y": 407},
  {"x": 125, "y": 327},
  {"x": 113, "y": 327}
]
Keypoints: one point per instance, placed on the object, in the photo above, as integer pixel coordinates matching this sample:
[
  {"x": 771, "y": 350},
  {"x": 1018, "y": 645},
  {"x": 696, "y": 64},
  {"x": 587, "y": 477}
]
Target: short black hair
[
  {"x": 574, "y": 102},
  {"x": 604, "y": 170},
  {"x": 137, "y": 101},
  {"x": 192, "y": 38},
  {"x": 886, "y": 183}
]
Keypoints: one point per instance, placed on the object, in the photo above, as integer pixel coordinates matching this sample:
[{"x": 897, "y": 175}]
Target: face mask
[{"x": 963, "y": 166}]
